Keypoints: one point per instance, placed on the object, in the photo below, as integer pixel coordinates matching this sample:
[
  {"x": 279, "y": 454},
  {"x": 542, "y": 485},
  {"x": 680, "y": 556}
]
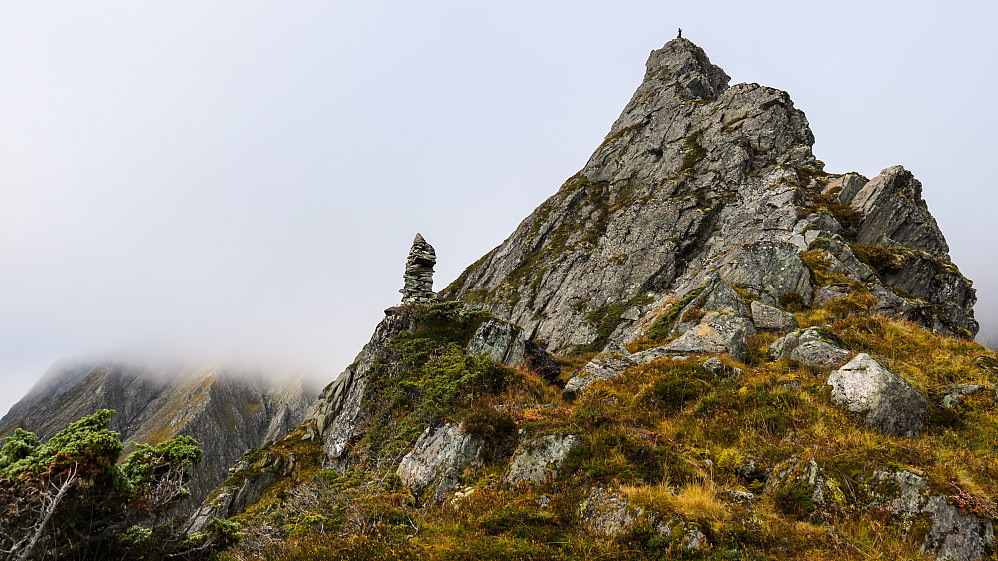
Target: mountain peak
[
  {"x": 685, "y": 65},
  {"x": 698, "y": 181}
]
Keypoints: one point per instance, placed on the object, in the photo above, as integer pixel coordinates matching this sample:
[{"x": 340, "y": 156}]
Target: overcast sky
[{"x": 242, "y": 180}]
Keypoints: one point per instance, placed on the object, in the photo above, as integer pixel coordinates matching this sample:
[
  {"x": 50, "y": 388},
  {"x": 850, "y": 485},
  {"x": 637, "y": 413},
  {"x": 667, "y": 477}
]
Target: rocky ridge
[
  {"x": 697, "y": 179},
  {"x": 731, "y": 323}
]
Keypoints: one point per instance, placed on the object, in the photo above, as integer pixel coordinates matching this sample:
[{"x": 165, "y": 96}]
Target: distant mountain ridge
[{"x": 227, "y": 413}]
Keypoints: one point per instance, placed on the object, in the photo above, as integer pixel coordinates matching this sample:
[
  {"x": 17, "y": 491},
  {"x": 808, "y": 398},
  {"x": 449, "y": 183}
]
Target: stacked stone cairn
[{"x": 419, "y": 273}]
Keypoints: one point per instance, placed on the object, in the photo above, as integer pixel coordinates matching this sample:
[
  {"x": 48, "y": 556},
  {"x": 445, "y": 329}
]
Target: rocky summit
[
  {"x": 702, "y": 346},
  {"x": 699, "y": 180}
]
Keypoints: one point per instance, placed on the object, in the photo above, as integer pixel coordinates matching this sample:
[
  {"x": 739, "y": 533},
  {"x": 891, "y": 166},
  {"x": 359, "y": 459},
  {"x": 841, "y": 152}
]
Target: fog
[{"x": 239, "y": 182}]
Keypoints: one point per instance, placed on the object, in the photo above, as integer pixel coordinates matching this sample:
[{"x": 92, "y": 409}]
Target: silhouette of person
[{"x": 680, "y": 33}]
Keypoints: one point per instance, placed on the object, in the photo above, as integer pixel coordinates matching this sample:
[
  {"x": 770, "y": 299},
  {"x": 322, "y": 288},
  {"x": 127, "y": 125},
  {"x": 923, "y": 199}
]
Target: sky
[{"x": 240, "y": 182}]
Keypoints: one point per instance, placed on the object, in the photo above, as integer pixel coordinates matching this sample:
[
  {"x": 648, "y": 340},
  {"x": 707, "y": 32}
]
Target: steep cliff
[{"x": 226, "y": 413}]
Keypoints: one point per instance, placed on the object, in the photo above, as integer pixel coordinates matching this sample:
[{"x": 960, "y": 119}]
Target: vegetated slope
[
  {"x": 225, "y": 413},
  {"x": 759, "y": 360}
]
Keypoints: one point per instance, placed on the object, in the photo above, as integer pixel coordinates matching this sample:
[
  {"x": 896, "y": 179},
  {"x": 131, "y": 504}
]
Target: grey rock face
[
  {"x": 503, "y": 342},
  {"x": 884, "y": 400},
  {"x": 956, "y": 536},
  {"x": 895, "y": 215},
  {"x": 541, "y": 458},
  {"x": 438, "y": 459},
  {"x": 952, "y": 535},
  {"x": 772, "y": 269},
  {"x": 419, "y": 272},
  {"x": 718, "y": 332},
  {"x": 768, "y": 317},
  {"x": 937, "y": 283}
]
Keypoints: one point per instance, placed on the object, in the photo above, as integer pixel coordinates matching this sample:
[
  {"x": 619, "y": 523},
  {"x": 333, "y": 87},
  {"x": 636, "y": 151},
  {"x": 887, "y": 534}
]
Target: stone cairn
[{"x": 419, "y": 273}]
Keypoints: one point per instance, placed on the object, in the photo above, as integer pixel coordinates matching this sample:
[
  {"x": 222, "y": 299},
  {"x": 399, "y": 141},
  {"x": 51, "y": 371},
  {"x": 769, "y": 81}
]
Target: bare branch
[{"x": 22, "y": 548}]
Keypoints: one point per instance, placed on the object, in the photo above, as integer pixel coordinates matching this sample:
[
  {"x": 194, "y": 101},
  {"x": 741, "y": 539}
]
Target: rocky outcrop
[
  {"x": 607, "y": 365},
  {"x": 540, "y": 459},
  {"x": 802, "y": 489},
  {"x": 717, "y": 332},
  {"x": 770, "y": 318},
  {"x": 895, "y": 215},
  {"x": 699, "y": 181},
  {"x": 955, "y": 395},
  {"x": 682, "y": 159},
  {"x": 437, "y": 460},
  {"x": 501, "y": 341},
  {"x": 950, "y": 533},
  {"x": 226, "y": 412},
  {"x": 883, "y": 399},
  {"x": 336, "y": 415},
  {"x": 609, "y": 514},
  {"x": 419, "y": 273}
]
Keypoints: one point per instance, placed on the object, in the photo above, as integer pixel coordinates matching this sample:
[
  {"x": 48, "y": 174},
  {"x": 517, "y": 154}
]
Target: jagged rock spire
[{"x": 419, "y": 272}]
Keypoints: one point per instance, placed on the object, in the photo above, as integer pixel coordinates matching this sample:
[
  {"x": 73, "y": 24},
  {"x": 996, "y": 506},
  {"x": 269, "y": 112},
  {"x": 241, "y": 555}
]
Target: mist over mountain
[{"x": 227, "y": 412}]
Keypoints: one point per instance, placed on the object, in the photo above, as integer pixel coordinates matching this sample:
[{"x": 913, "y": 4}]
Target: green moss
[
  {"x": 694, "y": 152},
  {"x": 729, "y": 126},
  {"x": 427, "y": 376}
]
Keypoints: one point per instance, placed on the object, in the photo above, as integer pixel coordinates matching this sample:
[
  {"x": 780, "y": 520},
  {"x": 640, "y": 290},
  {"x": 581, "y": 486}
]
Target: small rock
[
  {"x": 738, "y": 496},
  {"x": 828, "y": 294},
  {"x": 714, "y": 365},
  {"x": 541, "y": 458},
  {"x": 768, "y": 317},
  {"x": 718, "y": 332},
  {"x": 438, "y": 458},
  {"x": 954, "y": 395},
  {"x": 501, "y": 341},
  {"x": 751, "y": 471},
  {"x": 540, "y": 362},
  {"x": 784, "y": 346},
  {"x": 820, "y": 354},
  {"x": 882, "y": 398}
]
